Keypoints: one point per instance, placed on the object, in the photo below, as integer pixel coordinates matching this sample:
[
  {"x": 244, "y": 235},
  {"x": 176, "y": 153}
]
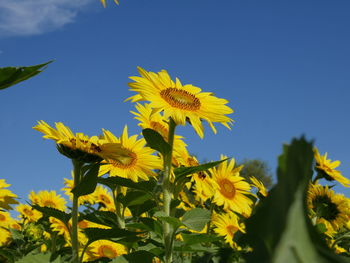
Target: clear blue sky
[{"x": 283, "y": 65}]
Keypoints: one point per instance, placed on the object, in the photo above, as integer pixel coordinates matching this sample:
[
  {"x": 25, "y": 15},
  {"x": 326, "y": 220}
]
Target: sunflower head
[
  {"x": 7, "y": 198},
  {"x": 182, "y": 103}
]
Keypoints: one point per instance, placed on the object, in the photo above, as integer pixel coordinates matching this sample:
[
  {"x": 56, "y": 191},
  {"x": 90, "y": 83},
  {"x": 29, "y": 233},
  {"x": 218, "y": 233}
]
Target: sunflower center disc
[
  {"x": 227, "y": 188},
  {"x": 231, "y": 230},
  {"x": 107, "y": 251},
  {"x": 2, "y": 218},
  {"x": 181, "y": 99},
  {"x": 159, "y": 128},
  {"x": 125, "y": 159},
  {"x": 49, "y": 203}
]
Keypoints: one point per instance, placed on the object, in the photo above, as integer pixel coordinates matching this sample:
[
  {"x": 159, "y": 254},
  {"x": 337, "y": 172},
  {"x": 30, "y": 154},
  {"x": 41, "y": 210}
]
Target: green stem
[
  {"x": 316, "y": 178},
  {"x": 118, "y": 207},
  {"x": 211, "y": 214},
  {"x": 167, "y": 194},
  {"x": 75, "y": 242}
]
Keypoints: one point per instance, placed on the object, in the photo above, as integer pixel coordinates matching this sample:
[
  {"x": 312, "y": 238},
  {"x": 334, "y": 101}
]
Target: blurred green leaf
[
  {"x": 135, "y": 257},
  {"x": 133, "y": 198},
  {"x": 191, "y": 239},
  {"x": 280, "y": 230},
  {"x": 10, "y": 76},
  {"x": 196, "y": 218},
  {"x": 175, "y": 222},
  {"x": 156, "y": 141},
  {"x": 94, "y": 234},
  {"x": 37, "y": 258},
  {"x": 113, "y": 182}
]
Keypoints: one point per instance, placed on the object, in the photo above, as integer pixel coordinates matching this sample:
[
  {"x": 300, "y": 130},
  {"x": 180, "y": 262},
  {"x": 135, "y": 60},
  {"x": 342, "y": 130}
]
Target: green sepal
[
  {"x": 88, "y": 181},
  {"x": 156, "y": 141}
]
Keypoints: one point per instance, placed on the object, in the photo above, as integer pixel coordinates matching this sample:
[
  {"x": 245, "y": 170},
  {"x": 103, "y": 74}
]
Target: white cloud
[{"x": 33, "y": 17}]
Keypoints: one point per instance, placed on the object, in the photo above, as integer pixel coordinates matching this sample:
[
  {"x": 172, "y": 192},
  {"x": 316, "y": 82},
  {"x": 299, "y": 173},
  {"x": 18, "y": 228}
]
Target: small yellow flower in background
[
  {"x": 5, "y": 237},
  {"x": 92, "y": 146},
  {"x": 323, "y": 203},
  {"x": 233, "y": 191},
  {"x": 48, "y": 199},
  {"x": 104, "y": 2},
  {"x": 59, "y": 227},
  {"x": 104, "y": 197},
  {"x": 7, "y": 198},
  {"x": 327, "y": 168},
  {"x": 180, "y": 102},
  {"x": 5, "y": 219},
  {"x": 227, "y": 225},
  {"x": 134, "y": 160},
  {"x": 28, "y": 213},
  {"x": 106, "y": 249},
  {"x": 258, "y": 185}
]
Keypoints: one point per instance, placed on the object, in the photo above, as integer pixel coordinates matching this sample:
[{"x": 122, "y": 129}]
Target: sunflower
[
  {"x": 134, "y": 161},
  {"x": 180, "y": 102},
  {"x": 155, "y": 121},
  {"x": 7, "y": 198},
  {"x": 326, "y": 168},
  {"x": 107, "y": 249},
  {"x": 28, "y": 213},
  {"x": 104, "y": 197},
  {"x": 323, "y": 203},
  {"x": 84, "y": 199},
  {"x": 5, "y": 219},
  {"x": 59, "y": 227},
  {"x": 227, "y": 225},
  {"x": 258, "y": 185},
  {"x": 5, "y": 236},
  {"x": 232, "y": 191},
  {"x": 48, "y": 199},
  {"x": 78, "y": 146}
]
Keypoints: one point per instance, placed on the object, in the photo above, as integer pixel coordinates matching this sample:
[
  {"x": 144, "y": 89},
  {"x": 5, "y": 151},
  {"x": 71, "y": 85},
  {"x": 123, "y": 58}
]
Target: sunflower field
[{"x": 143, "y": 197}]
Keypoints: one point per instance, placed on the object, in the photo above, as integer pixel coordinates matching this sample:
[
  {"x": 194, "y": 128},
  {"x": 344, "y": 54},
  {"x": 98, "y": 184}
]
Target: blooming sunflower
[
  {"x": 107, "y": 249},
  {"x": 323, "y": 203},
  {"x": 59, "y": 227},
  {"x": 227, "y": 225},
  {"x": 155, "y": 121},
  {"x": 104, "y": 197},
  {"x": 48, "y": 199},
  {"x": 233, "y": 191},
  {"x": 5, "y": 219},
  {"x": 258, "y": 185},
  {"x": 7, "y": 198},
  {"x": 327, "y": 169},
  {"x": 134, "y": 160},
  {"x": 78, "y": 146},
  {"x": 5, "y": 236},
  {"x": 28, "y": 213},
  {"x": 180, "y": 102}
]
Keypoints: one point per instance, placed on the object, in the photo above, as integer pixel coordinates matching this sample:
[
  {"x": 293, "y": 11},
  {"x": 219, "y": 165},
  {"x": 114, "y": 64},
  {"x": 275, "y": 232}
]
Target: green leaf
[
  {"x": 37, "y": 258},
  {"x": 135, "y": 257},
  {"x": 133, "y": 198},
  {"x": 88, "y": 181},
  {"x": 196, "y": 218},
  {"x": 175, "y": 222},
  {"x": 113, "y": 182},
  {"x": 280, "y": 230},
  {"x": 191, "y": 239},
  {"x": 184, "y": 171},
  {"x": 94, "y": 234},
  {"x": 106, "y": 218},
  {"x": 156, "y": 141},
  {"x": 10, "y": 76},
  {"x": 48, "y": 211},
  {"x": 137, "y": 210}
]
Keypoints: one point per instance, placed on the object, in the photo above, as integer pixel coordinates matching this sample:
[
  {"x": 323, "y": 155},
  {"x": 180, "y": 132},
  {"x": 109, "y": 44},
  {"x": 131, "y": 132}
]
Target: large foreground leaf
[
  {"x": 10, "y": 76},
  {"x": 280, "y": 230}
]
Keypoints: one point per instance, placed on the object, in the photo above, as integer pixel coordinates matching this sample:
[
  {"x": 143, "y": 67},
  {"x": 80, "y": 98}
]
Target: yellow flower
[
  {"x": 258, "y": 185},
  {"x": 227, "y": 225},
  {"x": 327, "y": 169},
  {"x": 5, "y": 219},
  {"x": 233, "y": 191},
  {"x": 5, "y": 236},
  {"x": 48, "y": 199},
  {"x": 27, "y": 212},
  {"x": 104, "y": 2},
  {"x": 324, "y": 204},
  {"x": 180, "y": 102},
  {"x": 155, "y": 121},
  {"x": 58, "y": 226},
  {"x": 84, "y": 199},
  {"x": 135, "y": 159},
  {"x": 80, "y": 145},
  {"x": 7, "y": 198},
  {"x": 107, "y": 249},
  {"x": 102, "y": 196}
]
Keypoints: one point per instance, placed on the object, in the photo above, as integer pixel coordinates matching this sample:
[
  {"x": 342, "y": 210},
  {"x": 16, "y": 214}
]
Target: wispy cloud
[{"x": 33, "y": 17}]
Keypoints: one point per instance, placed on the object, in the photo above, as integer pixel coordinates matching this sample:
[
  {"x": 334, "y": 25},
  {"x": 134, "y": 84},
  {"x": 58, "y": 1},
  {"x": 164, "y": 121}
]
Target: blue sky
[{"x": 283, "y": 65}]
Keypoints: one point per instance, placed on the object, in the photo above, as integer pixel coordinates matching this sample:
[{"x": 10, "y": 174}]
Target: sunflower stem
[
  {"x": 167, "y": 194},
  {"x": 118, "y": 207},
  {"x": 75, "y": 245}
]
